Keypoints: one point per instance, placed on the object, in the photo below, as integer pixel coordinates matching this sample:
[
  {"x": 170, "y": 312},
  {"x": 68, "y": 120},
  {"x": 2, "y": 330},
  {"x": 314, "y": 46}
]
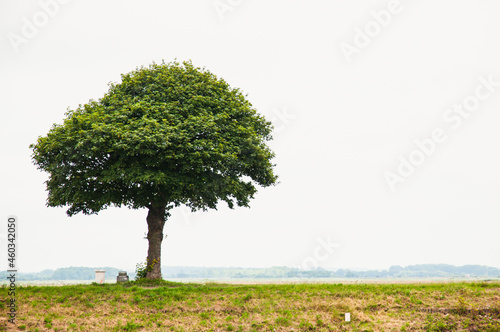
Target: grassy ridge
[{"x": 170, "y": 306}]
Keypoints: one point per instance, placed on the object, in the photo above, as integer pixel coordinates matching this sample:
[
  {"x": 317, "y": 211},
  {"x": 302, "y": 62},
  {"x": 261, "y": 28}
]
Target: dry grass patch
[{"x": 263, "y": 307}]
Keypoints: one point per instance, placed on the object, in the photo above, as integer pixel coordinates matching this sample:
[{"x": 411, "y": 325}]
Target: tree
[{"x": 168, "y": 134}]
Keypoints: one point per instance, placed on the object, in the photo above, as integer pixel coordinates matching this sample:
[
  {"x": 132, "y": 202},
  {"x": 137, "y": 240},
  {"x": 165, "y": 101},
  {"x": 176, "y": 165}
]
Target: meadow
[{"x": 169, "y": 306}]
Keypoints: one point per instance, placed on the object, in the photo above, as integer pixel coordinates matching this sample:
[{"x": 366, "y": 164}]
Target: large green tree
[{"x": 168, "y": 134}]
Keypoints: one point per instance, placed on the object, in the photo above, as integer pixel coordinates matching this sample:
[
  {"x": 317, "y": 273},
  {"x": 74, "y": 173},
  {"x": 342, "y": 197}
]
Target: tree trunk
[{"x": 156, "y": 221}]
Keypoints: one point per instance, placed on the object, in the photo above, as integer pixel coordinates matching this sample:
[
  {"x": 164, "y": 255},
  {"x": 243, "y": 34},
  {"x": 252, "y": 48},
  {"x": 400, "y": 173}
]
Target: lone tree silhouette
[{"x": 168, "y": 134}]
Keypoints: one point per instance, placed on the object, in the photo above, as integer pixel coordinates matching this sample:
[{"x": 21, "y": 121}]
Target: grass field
[{"x": 167, "y": 306}]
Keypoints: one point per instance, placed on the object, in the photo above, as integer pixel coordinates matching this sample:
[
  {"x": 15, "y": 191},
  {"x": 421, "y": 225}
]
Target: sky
[{"x": 386, "y": 128}]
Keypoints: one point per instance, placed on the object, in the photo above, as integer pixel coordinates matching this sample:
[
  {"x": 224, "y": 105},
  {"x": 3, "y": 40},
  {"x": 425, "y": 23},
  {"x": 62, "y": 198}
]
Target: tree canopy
[{"x": 168, "y": 134}]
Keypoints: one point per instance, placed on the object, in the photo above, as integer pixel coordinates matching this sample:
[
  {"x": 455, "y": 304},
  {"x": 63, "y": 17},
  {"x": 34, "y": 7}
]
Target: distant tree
[
  {"x": 395, "y": 269},
  {"x": 167, "y": 135}
]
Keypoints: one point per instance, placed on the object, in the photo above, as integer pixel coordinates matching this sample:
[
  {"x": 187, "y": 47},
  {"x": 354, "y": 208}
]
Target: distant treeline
[{"x": 412, "y": 271}]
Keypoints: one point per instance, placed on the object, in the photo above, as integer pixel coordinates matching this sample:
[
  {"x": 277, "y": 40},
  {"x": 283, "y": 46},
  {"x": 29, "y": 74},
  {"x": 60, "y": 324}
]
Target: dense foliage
[{"x": 169, "y": 134}]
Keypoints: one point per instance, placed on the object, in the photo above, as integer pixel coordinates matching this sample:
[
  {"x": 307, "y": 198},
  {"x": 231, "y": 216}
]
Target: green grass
[{"x": 168, "y": 306}]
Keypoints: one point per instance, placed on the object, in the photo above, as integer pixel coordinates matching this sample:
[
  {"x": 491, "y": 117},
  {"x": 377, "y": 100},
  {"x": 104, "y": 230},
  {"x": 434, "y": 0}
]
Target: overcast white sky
[{"x": 349, "y": 85}]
